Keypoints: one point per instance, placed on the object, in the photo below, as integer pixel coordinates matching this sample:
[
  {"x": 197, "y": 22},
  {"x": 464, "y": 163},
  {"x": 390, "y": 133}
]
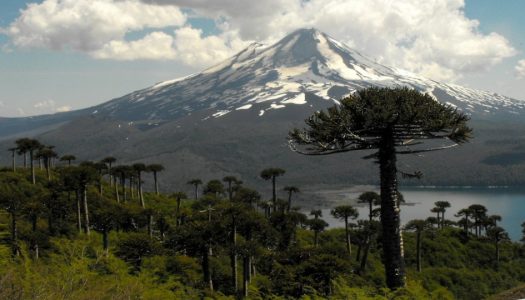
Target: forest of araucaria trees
[{"x": 97, "y": 230}]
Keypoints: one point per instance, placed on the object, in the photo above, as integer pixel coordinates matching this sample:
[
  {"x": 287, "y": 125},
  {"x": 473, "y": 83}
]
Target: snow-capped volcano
[{"x": 305, "y": 64}]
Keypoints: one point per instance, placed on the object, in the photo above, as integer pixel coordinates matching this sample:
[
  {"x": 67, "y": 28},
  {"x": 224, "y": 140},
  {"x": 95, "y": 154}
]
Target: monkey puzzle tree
[
  {"x": 418, "y": 226},
  {"x": 13, "y": 158},
  {"x": 272, "y": 174},
  {"x": 47, "y": 153},
  {"x": 195, "y": 182},
  {"x": 386, "y": 120},
  {"x": 230, "y": 180},
  {"x": 317, "y": 226},
  {"x": 291, "y": 190},
  {"x": 370, "y": 198},
  {"x": 139, "y": 168},
  {"x": 15, "y": 192},
  {"x": 69, "y": 158},
  {"x": 29, "y": 145},
  {"x": 497, "y": 234},
  {"x": 109, "y": 161},
  {"x": 346, "y": 212},
  {"x": 82, "y": 176},
  {"x": 155, "y": 169},
  {"x": 442, "y": 205}
]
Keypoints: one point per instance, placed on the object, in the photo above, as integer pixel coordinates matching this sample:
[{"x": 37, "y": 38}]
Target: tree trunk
[
  {"x": 13, "y": 162},
  {"x": 364, "y": 259},
  {"x": 230, "y": 191},
  {"x": 32, "y": 167},
  {"x": 177, "y": 216},
  {"x": 196, "y": 191},
  {"x": 245, "y": 275},
  {"x": 25, "y": 160},
  {"x": 105, "y": 241},
  {"x": 117, "y": 196},
  {"x": 233, "y": 258},
  {"x": 443, "y": 219},
  {"x": 79, "y": 214},
  {"x": 206, "y": 269},
  {"x": 316, "y": 238},
  {"x": 274, "y": 195},
  {"x": 86, "y": 211},
  {"x": 392, "y": 238},
  {"x": 348, "y": 244},
  {"x": 418, "y": 250},
  {"x": 358, "y": 254},
  {"x": 150, "y": 225},
  {"x": 36, "y": 249},
  {"x": 123, "y": 184},
  {"x": 156, "y": 183},
  {"x": 131, "y": 196},
  {"x": 371, "y": 208},
  {"x": 48, "y": 167}
]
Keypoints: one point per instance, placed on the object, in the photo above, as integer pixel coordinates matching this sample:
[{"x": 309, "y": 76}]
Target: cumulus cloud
[
  {"x": 520, "y": 69},
  {"x": 186, "y": 45},
  {"x": 433, "y": 38},
  {"x": 86, "y": 25}
]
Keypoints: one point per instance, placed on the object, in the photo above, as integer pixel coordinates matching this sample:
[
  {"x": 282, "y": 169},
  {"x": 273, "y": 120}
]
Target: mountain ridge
[{"x": 233, "y": 118}]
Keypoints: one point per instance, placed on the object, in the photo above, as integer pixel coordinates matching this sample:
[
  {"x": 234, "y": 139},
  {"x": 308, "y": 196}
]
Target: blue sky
[{"x": 52, "y": 61}]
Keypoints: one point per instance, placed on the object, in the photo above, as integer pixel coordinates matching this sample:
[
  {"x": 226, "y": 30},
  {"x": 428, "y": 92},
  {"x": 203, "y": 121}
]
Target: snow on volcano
[{"x": 306, "y": 62}]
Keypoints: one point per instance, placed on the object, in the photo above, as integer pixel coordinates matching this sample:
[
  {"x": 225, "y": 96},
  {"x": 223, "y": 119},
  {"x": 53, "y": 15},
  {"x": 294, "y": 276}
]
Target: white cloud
[
  {"x": 63, "y": 108},
  {"x": 156, "y": 45},
  {"x": 45, "y": 105},
  {"x": 520, "y": 69},
  {"x": 432, "y": 37},
  {"x": 187, "y": 45},
  {"x": 194, "y": 49},
  {"x": 86, "y": 25}
]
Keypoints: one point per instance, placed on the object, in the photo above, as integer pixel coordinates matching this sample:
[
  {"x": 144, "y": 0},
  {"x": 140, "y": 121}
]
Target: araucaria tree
[
  {"x": 346, "y": 212},
  {"x": 155, "y": 169},
  {"x": 272, "y": 174},
  {"x": 392, "y": 121}
]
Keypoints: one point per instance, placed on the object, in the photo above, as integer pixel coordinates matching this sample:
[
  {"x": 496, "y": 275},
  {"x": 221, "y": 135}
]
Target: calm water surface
[{"x": 509, "y": 203}]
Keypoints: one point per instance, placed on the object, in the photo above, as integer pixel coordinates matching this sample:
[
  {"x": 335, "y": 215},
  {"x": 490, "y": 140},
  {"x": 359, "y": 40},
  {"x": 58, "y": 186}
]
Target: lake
[{"x": 509, "y": 203}]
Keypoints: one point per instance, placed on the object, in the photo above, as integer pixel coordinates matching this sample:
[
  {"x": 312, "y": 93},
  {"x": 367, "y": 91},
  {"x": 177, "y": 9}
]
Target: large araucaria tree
[{"x": 390, "y": 121}]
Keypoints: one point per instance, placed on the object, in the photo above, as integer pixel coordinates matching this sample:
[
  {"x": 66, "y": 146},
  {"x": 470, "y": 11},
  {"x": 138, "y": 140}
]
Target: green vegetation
[
  {"x": 95, "y": 230},
  {"x": 179, "y": 248}
]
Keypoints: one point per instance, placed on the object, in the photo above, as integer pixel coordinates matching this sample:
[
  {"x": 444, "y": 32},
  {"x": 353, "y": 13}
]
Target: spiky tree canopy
[
  {"x": 369, "y": 197},
  {"x": 344, "y": 212},
  {"x": 155, "y": 168},
  {"x": 417, "y": 225},
  {"x": 195, "y": 181},
  {"x": 68, "y": 158},
  {"x": 270, "y": 173},
  {"x": 362, "y": 119}
]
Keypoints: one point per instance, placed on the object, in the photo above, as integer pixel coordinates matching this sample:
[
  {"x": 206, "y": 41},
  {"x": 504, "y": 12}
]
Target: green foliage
[{"x": 287, "y": 260}]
